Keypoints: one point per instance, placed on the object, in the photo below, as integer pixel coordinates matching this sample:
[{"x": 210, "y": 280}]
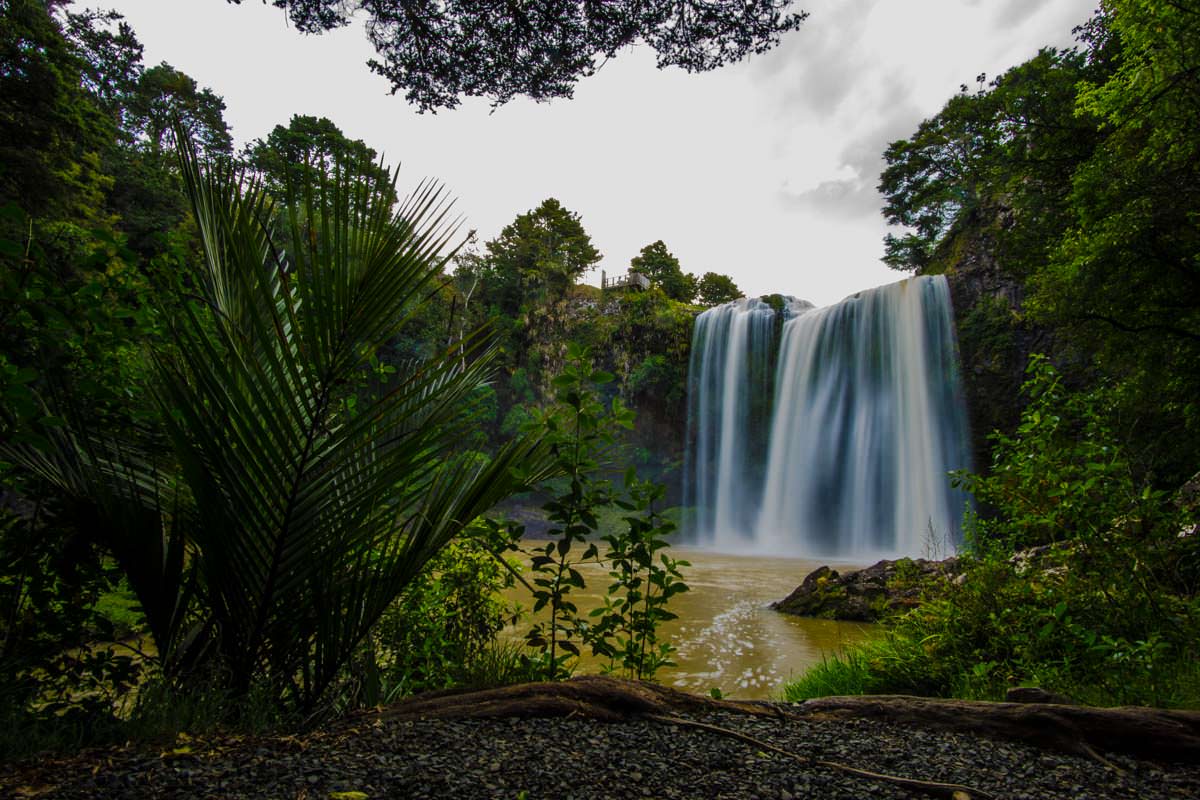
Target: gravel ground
[{"x": 576, "y": 758}]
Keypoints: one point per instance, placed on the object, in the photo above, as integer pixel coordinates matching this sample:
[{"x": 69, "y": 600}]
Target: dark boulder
[{"x": 866, "y": 595}]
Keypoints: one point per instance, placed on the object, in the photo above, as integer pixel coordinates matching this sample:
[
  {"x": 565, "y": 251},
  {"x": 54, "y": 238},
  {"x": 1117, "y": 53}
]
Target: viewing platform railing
[{"x": 634, "y": 280}]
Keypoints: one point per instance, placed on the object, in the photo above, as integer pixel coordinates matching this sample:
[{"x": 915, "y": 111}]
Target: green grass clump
[{"x": 844, "y": 674}]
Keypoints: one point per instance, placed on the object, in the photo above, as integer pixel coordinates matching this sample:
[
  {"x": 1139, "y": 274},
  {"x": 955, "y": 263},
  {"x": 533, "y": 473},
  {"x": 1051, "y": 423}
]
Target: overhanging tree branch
[{"x": 438, "y": 52}]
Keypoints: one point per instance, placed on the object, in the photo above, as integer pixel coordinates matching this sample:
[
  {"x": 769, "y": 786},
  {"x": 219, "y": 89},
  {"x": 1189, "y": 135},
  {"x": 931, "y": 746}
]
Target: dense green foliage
[
  {"x": 1101, "y": 600},
  {"x": 524, "y": 283},
  {"x": 1077, "y": 171},
  {"x": 656, "y": 263},
  {"x": 92, "y": 227},
  {"x": 437, "y": 52},
  {"x": 1059, "y": 477},
  {"x": 1016, "y": 141},
  {"x": 1066, "y": 189},
  {"x": 440, "y": 631},
  {"x": 229, "y": 381}
]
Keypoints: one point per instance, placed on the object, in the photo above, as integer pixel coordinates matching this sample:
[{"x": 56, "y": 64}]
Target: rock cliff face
[
  {"x": 994, "y": 338},
  {"x": 642, "y": 338}
]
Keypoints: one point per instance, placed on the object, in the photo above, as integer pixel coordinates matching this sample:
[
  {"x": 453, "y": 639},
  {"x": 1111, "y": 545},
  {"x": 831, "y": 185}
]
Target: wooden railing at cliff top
[{"x": 634, "y": 280}]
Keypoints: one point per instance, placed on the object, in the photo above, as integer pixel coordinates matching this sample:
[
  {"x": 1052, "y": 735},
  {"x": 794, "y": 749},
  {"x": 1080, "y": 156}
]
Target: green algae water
[{"x": 728, "y": 637}]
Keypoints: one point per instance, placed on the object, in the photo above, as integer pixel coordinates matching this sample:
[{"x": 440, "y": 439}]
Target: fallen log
[{"x": 1150, "y": 733}]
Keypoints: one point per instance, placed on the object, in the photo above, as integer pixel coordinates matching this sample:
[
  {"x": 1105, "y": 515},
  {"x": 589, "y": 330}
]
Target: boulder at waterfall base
[{"x": 866, "y": 595}]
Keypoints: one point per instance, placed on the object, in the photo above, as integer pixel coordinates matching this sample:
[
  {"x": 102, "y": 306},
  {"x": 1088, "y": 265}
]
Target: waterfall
[
  {"x": 728, "y": 376},
  {"x": 866, "y": 418}
]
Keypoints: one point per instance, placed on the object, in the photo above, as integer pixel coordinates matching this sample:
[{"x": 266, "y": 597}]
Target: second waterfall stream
[{"x": 828, "y": 432}]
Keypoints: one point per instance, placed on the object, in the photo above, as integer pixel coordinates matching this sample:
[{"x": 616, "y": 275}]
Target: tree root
[
  {"x": 610, "y": 700},
  {"x": 590, "y": 696}
]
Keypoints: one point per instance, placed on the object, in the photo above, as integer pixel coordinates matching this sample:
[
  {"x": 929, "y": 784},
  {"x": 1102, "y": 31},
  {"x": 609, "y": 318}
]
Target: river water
[{"x": 728, "y": 638}]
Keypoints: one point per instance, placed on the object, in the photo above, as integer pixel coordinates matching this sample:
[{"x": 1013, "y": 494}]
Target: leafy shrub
[
  {"x": 626, "y": 626},
  {"x": 583, "y": 435},
  {"x": 1069, "y": 630},
  {"x": 1059, "y": 476},
  {"x": 443, "y": 624},
  {"x": 1082, "y": 582},
  {"x": 61, "y": 676}
]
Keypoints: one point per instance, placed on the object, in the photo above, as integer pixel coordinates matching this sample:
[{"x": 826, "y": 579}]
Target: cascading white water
[
  {"x": 867, "y": 420},
  {"x": 729, "y": 374}
]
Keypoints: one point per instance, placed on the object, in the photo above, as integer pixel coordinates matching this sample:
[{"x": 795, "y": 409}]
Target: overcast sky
[{"x": 765, "y": 170}]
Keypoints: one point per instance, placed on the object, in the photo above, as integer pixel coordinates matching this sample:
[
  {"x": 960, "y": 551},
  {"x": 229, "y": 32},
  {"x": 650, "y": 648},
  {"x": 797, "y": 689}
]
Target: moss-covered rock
[{"x": 866, "y": 595}]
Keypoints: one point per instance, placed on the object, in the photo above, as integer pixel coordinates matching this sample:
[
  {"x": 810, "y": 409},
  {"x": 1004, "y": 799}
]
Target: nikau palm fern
[{"x": 318, "y": 494}]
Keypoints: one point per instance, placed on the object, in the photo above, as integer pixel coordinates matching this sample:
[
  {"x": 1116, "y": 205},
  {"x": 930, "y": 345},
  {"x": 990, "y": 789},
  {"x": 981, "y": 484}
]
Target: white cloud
[
  {"x": 764, "y": 170},
  {"x": 1015, "y": 12}
]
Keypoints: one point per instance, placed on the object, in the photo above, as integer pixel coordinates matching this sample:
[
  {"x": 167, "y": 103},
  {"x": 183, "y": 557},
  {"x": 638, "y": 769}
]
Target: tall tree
[
  {"x": 145, "y": 198},
  {"x": 111, "y": 61},
  {"x": 1015, "y": 142},
  {"x": 1125, "y": 276},
  {"x": 543, "y": 251},
  {"x": 165, "y": 94},
  {"x": 1132, "y": 259},
  {"x": 310, "y": 146},
  {"x": 657, "y": 263},
  {"x": 436, "y": 52},
  {"x": 715, "y": 288},
  {"x": 1079, "y": 171},
  {"x": 51, "y": 134}
]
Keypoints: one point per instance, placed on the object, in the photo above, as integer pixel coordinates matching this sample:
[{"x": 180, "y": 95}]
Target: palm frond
[
  {"x": 128, "y": 502},
  {"x": 313, "y": 516}
]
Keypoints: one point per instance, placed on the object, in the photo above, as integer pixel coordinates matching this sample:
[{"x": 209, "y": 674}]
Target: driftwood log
[
  {"x": 1140, "y": 732},
  {"x": 1150, "y": 733}
]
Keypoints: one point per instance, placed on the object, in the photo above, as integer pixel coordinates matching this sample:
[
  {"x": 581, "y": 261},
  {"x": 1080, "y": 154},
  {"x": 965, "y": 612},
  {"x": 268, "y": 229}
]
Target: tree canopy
[
  {"x": 543, "y": 250},
  {"x": 657, "y": 263},
  {"x": 312, "y": 146},
  {"x": 437, "y": 52},
  {"x": 50, "y": 134},
  {"x": 1018, "y": 137},
  {"x": 1080, "y": 170},
  {"x": 715, "y": 288}
]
